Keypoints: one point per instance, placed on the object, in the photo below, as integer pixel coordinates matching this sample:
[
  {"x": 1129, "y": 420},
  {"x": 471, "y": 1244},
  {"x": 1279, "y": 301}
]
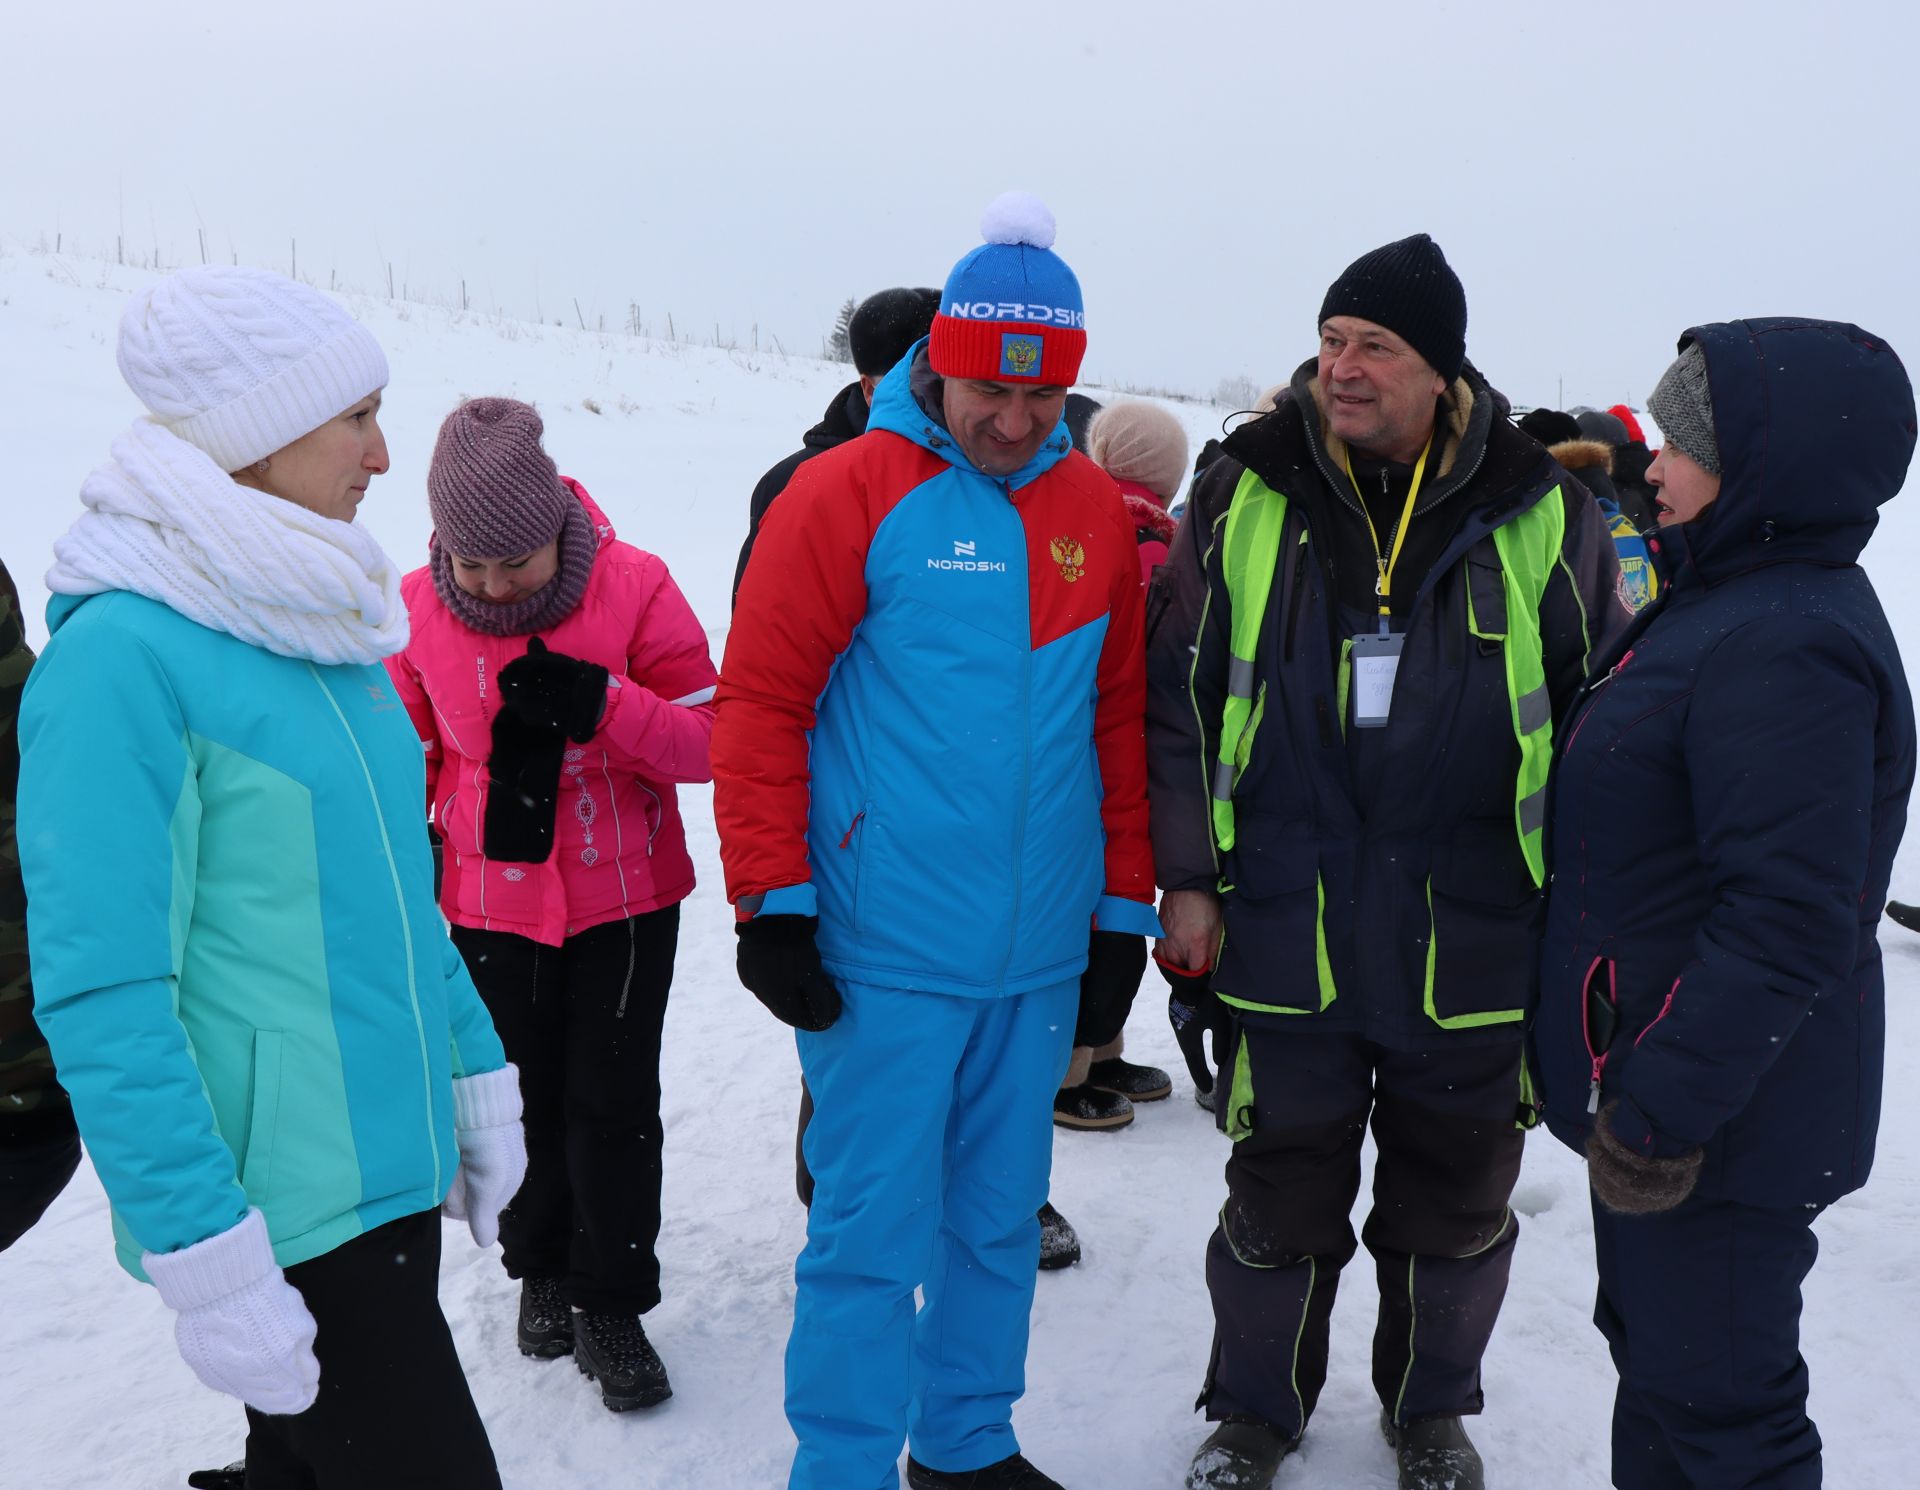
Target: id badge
[{"x": 1376, "y": 660}]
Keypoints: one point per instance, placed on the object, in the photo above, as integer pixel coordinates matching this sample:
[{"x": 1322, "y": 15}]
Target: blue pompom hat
[{"x": 1011, "y": 310}]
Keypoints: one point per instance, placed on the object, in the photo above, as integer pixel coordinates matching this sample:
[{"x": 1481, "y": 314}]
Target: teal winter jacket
[{"x": 237, "y": 958}]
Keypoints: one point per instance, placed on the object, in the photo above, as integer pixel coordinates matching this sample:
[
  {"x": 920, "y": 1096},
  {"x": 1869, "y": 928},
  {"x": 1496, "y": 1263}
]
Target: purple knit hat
[{"x": 495, "y": 493}]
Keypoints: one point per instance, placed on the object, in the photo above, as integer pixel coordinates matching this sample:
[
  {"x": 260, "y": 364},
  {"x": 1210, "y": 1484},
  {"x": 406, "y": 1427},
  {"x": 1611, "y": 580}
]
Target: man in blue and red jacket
[{"x": 930, "y": 783}]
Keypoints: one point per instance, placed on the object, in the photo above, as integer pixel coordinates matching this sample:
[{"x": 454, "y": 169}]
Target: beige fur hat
[{"x": 1138, "y": 441}]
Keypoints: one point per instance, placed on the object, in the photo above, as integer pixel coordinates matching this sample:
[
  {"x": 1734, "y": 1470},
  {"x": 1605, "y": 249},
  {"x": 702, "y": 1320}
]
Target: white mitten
[
  {"x": 493, "y": 1150},
  {"x": 241, "y": 1326}
]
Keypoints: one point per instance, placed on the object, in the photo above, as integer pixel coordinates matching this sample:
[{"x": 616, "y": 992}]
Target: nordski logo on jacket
[{"x": 966, "y": 560}]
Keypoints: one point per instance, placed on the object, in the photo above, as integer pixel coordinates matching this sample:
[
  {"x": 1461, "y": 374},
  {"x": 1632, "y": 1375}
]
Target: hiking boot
[
  {"x": 613, "y": 1350},
  {"x": 1010, "y": 1473},
  {"x": 1135, "y": 1083},
  {"x": 1059, "y": 1244},
  {"x": 546, "y": 1322},
  {"x": 233, "y": 1477},
  {"x": 1239, "y": 1456},
  {"x": 1090, "y": 1108},
  {"x": 1434, "y": 1454}
]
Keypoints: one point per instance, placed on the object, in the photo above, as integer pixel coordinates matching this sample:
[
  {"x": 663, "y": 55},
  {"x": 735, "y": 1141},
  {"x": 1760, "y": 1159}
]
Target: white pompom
[{"x": 1018, "y": 217}]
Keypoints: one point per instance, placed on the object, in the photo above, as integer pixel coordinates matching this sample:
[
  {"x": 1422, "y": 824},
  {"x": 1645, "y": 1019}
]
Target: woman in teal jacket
[{"x": 278, "y": 1063}]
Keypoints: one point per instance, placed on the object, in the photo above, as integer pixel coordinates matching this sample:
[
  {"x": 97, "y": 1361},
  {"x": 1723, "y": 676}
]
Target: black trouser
[
  {"x": 1440, "y": 1231},
  {"x": 1701, "y": 1307},
  {"x": 582, "y": 1021},
  {"x": 394, "y": 1412},
  {"x": 38, "y": 1155}
]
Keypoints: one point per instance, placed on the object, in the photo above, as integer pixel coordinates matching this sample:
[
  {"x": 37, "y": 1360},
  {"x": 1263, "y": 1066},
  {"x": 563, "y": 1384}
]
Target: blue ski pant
[
  {"x": 1701, "y": 1308},
  {"x": 930, "y": 1147}
]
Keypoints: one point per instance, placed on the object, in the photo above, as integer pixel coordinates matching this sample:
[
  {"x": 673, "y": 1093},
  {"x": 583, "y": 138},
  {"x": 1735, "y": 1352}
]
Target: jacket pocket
[
  {"x": 1274, "y": 956},
  {"x": 263, "y": 1117},
  {"x": 1483, "y": 913},
  {"x": 854, "y": 841}
]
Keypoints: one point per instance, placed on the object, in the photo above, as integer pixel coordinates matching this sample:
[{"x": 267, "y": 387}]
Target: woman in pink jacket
[{"x": 561, "y": 686}]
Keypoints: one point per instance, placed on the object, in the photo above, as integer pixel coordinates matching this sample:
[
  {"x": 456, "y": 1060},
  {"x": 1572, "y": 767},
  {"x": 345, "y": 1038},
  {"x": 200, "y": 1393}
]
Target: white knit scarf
[{"x": 163, "y": 520}]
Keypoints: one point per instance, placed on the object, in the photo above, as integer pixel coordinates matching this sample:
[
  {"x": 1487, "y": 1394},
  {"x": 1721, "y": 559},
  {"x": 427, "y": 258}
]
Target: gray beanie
[{"x": 1682, "y": 405}]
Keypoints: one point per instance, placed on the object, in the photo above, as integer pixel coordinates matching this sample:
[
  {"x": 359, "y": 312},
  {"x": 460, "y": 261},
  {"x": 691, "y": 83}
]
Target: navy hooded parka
[{"x": 1731, "y": 792}]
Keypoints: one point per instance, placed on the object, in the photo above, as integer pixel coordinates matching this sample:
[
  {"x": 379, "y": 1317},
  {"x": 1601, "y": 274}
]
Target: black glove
[
  {"x": 1115, "y": 962},
  {"x": 552, "y": 691},
  {"x": 1192, "y": 1010},
  {"x": 523, "y": 772},
  {"x": 233, "y": 1477},
  {"x": 780, "y": 965},
  {"x": 1631, "y": 1184}
]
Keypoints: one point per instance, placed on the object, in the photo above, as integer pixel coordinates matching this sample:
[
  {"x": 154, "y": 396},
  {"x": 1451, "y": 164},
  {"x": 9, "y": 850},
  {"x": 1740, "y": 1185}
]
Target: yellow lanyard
[{"x": 1383, "y": 586}]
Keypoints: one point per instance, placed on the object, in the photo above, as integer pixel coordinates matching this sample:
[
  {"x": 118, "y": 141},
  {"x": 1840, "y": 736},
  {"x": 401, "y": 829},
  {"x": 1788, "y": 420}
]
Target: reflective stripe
[
  {"x": 1535, "y": 710},
  {"x": 1250, "y": 555},
  {"x": 1533, "y": 811}
]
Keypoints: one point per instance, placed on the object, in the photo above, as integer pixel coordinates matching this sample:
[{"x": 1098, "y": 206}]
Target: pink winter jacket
[{"x": 619, "y": 846}]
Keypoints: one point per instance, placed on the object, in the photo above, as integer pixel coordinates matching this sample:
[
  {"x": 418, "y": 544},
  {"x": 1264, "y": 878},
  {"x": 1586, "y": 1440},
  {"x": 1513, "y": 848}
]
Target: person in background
[
  {"x": 1711, "y": 1025},
  {"x": 39, "y": 1145},
  {"x": 1590, "y": 462},
  {"x": 278, "y": 1063},
  {"x": 561, "y": 687},
  {"x": 1620, "y": 432},
  {"x": 883, "y": 327},
  {"x": 939, "y": 904}
]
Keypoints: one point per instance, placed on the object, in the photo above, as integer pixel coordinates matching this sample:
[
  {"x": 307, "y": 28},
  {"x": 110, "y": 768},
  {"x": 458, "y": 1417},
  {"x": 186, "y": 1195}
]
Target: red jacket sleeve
[
  {"x": 802, "y": 596},
  {"x": 1120, "y": 728}
]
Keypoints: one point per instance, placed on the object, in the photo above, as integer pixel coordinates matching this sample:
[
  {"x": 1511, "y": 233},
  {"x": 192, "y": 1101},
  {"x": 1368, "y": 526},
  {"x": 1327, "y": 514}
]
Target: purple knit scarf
[{"x": 548, "y": 606}]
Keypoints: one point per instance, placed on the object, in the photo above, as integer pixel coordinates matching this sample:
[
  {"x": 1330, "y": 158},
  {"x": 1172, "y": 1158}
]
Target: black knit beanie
[
  {"x": 1409, "y": 288},
  {"x": 886, "y": 326}
]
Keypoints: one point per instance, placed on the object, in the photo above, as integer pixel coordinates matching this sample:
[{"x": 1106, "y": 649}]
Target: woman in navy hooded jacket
[{"x": 1712, "y": 1018}]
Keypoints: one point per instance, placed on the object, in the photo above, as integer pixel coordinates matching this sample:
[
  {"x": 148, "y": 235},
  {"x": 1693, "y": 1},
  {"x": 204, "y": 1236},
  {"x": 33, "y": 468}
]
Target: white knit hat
[
  {"x": 242, "y": 362},
  {"x": 1139, "y": 441}
]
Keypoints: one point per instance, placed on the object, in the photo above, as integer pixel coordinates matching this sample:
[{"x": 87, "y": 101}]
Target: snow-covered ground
[{"x": 670, "y": 439}]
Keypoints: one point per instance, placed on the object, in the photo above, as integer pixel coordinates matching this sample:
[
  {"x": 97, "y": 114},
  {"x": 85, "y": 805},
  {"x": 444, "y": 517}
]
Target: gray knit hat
[{"x": 1682, "y": 405}]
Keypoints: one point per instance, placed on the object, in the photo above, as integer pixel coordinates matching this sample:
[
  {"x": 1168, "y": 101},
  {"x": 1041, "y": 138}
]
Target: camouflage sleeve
[{"x": 26, "y": 1069}]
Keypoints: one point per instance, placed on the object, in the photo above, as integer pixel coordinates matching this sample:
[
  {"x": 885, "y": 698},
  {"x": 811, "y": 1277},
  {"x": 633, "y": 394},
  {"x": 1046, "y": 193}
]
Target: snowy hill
[{"x": 670, "y": 439}]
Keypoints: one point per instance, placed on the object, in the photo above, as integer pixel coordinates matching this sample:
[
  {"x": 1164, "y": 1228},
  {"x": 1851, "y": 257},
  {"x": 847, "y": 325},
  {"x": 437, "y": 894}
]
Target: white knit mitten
[
  {"x": 493, "y": 1150},
  {"x": 240, "y": 1325}
]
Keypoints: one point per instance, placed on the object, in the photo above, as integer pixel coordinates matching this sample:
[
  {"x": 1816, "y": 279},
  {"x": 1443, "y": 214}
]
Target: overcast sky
[{"x": 1600, "y": 175}]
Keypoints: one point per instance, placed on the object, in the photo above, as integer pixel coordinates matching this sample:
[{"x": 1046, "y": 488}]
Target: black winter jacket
[
  {"x": 1730, "y": 794},
  {"x": 1407, "y": 832},
  {"x": 846, "y": 418}
]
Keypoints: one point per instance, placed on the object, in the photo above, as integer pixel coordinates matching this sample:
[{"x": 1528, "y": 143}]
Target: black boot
[
  {"x": 1059, "y": 1244},
  {"x": 613, "y": 1350},
  {"x": 1010, "y": 1473},
  {"x": 233, "y": 1477},
  {"x": 1239, "y": 1456},
  {"x": 546, "y": 1323},
  {"x": 1086, "y": 1106},
  {"x": 1435, "y": 1454},
  {"x": 1135, "y": 1083}
]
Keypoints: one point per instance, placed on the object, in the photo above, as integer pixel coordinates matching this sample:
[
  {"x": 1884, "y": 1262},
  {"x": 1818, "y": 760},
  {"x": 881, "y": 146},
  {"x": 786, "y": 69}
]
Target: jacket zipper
[
  {"x": 1597, "y": 1057},
  {"x": 1293, "y": 600},
  {"x": 1026, "y": 750},
  {"x": 406, "y": 922},
  {"x": 1585, "y": 705}
]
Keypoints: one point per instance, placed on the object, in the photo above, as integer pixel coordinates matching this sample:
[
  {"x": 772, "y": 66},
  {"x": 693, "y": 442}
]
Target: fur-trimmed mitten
[{"x": 1631, "y": 1184}]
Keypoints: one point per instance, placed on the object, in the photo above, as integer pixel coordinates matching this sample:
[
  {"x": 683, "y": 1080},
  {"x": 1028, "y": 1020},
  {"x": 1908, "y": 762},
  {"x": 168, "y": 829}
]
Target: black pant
[
  {"x": 394, "y": 1412},
  {"x": 1701, "y": 1307},
  {"x": 582, "y": 1021},
  {"x": 1440, "y": 1231},
  {"x": 38, "y": 1155}
]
